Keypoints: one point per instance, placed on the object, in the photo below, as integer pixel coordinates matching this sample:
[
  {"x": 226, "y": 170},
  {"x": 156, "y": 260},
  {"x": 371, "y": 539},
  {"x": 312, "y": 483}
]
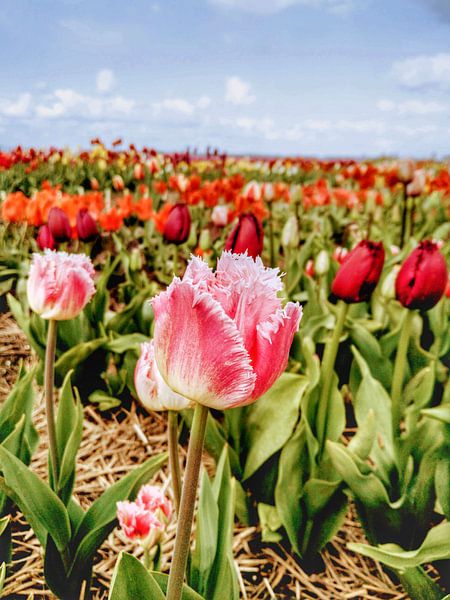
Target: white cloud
[
  {"x": 238, "y": 91},
  {"x": 68, "y": 102},
  {"x": 203, "y": 102},
  {"x": 175, "y": 105},
  {"x": 274, "y": 6},
  {"x": 423, "y": 70},
  {"x": 16, "y": 108},
  {"x": 412, "y": 107},
  {"x": 105, "y": 80}
]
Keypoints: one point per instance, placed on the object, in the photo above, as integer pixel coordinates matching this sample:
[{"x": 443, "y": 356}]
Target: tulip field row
[{"x": 288, "y": 315}]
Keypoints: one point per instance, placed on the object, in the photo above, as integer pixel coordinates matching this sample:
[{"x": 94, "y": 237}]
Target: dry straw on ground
[{"x": 115, "y": 443}]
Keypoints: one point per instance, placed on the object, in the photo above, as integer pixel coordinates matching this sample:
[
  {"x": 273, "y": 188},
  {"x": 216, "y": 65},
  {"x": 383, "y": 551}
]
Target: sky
[{"x": 277, "y": 77}]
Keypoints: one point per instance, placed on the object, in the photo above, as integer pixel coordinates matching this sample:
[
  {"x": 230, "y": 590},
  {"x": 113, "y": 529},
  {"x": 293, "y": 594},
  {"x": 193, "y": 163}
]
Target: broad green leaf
[
  {"x": 131, "y": 341},
  {"x": 40, "y": 505},
  {"x": 101, "y": 517},
  {"x": 436, "y": 546},
  {"x": 270, "y": 523},
  {"x": 380, "y": 366},
  {"x": 132, "y": 581},
  {"x": 103, "y": 400},
  {"x": 121, "y": 320},
  {"x": 362, "y": 442},
  {"x": 18, "y": 404},
  {"x": 440, "y": 413},
  {"x": 23, "y": 320},
  {"x": 188, "y": 593},
  {"x": 271, "y": 421},
  {"x": 442, "y": 484},
  {"x": 207, "y": 520},
  {"x": 77, "y": 355}
]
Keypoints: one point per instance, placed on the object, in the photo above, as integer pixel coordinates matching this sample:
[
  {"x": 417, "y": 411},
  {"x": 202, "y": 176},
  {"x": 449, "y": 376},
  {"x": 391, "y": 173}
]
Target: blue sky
[{"x": 303, "y": 77}]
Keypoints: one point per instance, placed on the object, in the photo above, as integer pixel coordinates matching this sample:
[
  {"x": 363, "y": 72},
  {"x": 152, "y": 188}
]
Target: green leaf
[
  {"x": 131, "y": 341},
  {"x": 436, "y": 546},
  {"x": 77, "y": 355},
  {"x": 69, "y": 432},
  {"x": 271, "y": 421},
  {"x": 23, "y": 320},
  {"x": 121, "y": 320},
  {"x": 101, "y": 517},
  {"x": 18, "y": 404},
  {"x": 2, "y": 576},
  {"x": 4, "y": 522},
  {"x": 270, "y": 523},
  {"x": 442, "y": 485},
  {"x": 369, "y": 347},
  {"x": 440, "y": 413},
  {"x": 204, "y": 552},
  {"x": 362, "y": 442},
  {"x": 132, "y": 581},
  {"x": 188, "y": 593},
  {"x": 40, "y": 505},
  {"x": 104, "y": 400}
]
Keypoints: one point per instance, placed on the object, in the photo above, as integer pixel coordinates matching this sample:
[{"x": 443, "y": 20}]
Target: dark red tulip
[
  {"x": 178, "y": 225},
  {"x": 359, "y": 273},
  {"x": 45, "y": 239},
  {"x": 422, "y": 279},
  {"x": 59, "y": 225},
  {"x": 87, "y": 229},
  {"x": 247, "y": 235}
]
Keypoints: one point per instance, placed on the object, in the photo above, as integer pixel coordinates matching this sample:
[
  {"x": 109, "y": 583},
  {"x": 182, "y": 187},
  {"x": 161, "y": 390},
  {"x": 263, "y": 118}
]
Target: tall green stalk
[
  {"x": 49, "y": 405},
  {"x": 399, "y": 373},
  {"x": 271, "y": 238},
  {"x": 329, "y": 358},
  {"x": 174, "y": 462},
  {"x": 188, "y": 494}
]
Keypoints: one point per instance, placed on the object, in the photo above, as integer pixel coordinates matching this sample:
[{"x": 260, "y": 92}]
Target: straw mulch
[{"x": 110, "y": 447}]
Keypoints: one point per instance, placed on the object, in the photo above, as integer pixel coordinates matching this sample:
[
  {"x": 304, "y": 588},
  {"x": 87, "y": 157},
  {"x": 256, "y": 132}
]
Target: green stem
[
  {"x": 49, "y": 406},
  {"x": 174, "y": 462},
  {"x": 399, "y": 373},
  {"x": 418, "y": 585},
  {"x": 188, "y": 494},
  {"x": 404, "y": 216},
  {"x": 329, "y": 358},
  {"x": 175, "y": 261},
  {"x": 147, "y": 558}
]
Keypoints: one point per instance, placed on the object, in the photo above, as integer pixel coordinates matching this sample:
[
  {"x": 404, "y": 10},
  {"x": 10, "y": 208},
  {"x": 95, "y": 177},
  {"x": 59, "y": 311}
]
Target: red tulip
[
  {"x": 87, "y": 229},
  {"x": 59, "y": 224},
  {"x": 359, "y": 273},
  {"x": 422, "y": 280},
  {"x": 247, "y": 235},
  {"x": 178, "y": 225},
  {"x": 45, "y": 239}
]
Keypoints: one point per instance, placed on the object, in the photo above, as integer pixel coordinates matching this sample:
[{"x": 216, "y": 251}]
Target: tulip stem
[
  {"x": 271, "y": 242},
  {"x": 329, "y": 358},
  {"x": 399, "y": 373},
  {"x": 49, "y": 406},
  {"x": 174, "y": 462},
  {"x": 175, "y": 262},
  {"x": 188, "y": 495},
  {"x": 404, "y": 217}
]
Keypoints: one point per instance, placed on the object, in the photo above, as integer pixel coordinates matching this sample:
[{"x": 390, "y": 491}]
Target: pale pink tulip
[
  {"x": 152, "y": 390},
  {"x": 152, "y": 498},
  {"x": 59, "y": 284},
  {"x": 136, "y": 521},
  {"x": 219, "y": 215},
  {"x": 222, "y": 339}
]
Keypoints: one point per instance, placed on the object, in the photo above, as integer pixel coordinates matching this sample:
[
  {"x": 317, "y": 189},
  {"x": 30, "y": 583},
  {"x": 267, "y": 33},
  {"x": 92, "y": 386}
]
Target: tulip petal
[
  {"x": 271, "y": 351},
  {"x": 198, "y": 348}
]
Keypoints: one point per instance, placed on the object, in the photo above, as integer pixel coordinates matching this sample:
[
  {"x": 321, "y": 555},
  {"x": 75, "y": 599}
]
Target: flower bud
[
  {"x": 388, "y": 285},
  {"x": 322, "y": 263},
  {"x": 138, "y": 171},
  {"x": 136, "y": 522},
  {"x": 205, "y": 240},
  {"x": 219, "y": 215},
  {"x": 59, "y": 224},
  {"x": 422, "y": 279},
  {"x": 117, "y": 183},
  {"x": 135, "y": 260},
  {"x": 247, "y": 235},
  {"x": 45, "y": 239},
  {"x": 359, "y": 273},
  {"x": 178, "y": 225},
  {"x": 309, "y": 268},
  {"x": 87, "y": 229},
  {"x": 290, "y": 233},
  {"x": 59, "y": 284},
  {"x": 152, "y": 391},
  {"x": 405, "y": 170}
]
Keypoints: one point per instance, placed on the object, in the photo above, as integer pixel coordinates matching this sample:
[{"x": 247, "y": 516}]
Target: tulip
[
  {"x": 422, "y": 279},
  {"x": 178, "y": 225},
  {"x": 405, "y": 170},
  {"x": 322, "y": 263},
  {"x": 136, "y": 521},
  {"x": 138, "y": 171},
  {"x": 60, "y": 284},
  {"x": 152, "y": 498},
  {"x": 59, "y": 224},
  {"x": 221, "y": 339},
  {"x": 246, "y": 236},
  {"x": 219, "y": 215},
  {"x": 290, "y": 234},
  {"x": 152, "y": 391},
  {"x": 417, "y": 185},
  {"x": 45, "y": 239},
  {"x": 360, "y": 272},
  {"x": 87, "y": 229},
  {"x": 117, "y": 183}
]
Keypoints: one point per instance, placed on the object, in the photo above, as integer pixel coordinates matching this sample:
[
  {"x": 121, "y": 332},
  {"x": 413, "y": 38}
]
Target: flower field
[{"x": 276, "y": 327}]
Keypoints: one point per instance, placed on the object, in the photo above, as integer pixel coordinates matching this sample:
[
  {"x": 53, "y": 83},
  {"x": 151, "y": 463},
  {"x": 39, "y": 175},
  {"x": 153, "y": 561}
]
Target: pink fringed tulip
[
  {"x": 152, "y": 390},
  {"x": 222, "y": 339},
  {"x": 60, "y": 284},
  {"x": 136, "y": 521},
  {"x": 152, "y": 498}
]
